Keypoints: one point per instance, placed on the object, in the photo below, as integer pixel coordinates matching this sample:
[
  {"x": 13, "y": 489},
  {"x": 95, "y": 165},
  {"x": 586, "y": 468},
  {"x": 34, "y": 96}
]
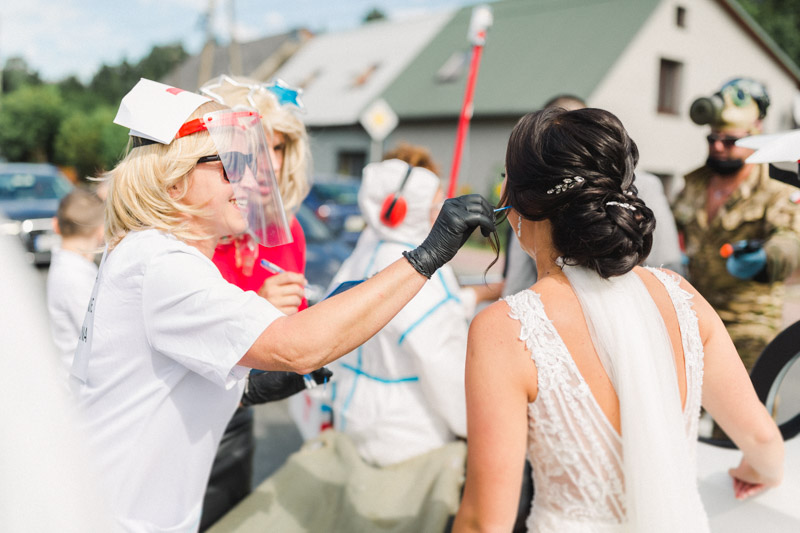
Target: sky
[{"x": 59, "y": 38}]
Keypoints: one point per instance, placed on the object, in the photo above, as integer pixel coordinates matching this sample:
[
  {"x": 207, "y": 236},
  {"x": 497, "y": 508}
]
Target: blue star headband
[{"x": 283, "y": 93}]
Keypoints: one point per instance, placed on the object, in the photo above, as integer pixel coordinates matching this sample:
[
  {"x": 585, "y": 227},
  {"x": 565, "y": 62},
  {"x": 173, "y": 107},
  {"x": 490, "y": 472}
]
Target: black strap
[
  {"x": 397, "y": 194},
  {"x": 141, "y": 141}
]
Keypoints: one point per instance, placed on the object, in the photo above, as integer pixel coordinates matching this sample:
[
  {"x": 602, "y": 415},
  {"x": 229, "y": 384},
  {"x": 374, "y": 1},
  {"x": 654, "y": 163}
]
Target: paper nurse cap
[{"x": 155, "y": 111}]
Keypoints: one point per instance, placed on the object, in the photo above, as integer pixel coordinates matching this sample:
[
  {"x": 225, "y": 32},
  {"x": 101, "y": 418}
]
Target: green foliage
[
  {"x": 374, "y": 14},
  {"x": 29, "y": 121},
  {"x": 70, "y": 123},
  {"x": 161, "y": 60},
  {"x": 17, "y": 74},
  {"x": 76, "y": 95},
  {"x": 90, "y": 142},
  {"x": 111, "y": 83},
  {"x": 781, "y": 20}
]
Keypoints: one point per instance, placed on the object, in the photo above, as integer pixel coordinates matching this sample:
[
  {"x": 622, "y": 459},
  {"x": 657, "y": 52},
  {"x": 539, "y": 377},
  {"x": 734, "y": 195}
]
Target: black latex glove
[
  {"x": 456, "y": 221},
  {"x": 265, "y": 387}
]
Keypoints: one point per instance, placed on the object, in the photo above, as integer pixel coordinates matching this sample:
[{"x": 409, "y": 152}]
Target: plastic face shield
[{"x": 242, "y": 147}]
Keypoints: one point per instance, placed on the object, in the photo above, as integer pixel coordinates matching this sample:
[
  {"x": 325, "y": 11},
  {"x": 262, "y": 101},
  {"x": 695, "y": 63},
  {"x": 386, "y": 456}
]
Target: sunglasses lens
[
  {"x": 727, "y": 142},
  {"x": 237, "y": 164}
]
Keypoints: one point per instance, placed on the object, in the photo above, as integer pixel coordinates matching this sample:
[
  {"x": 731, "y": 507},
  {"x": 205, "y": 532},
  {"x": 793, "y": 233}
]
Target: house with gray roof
[
  {"x": 644, "y": 60},
  {"x": 257, "y": 59},
  {"x": 341, "y": 73}
]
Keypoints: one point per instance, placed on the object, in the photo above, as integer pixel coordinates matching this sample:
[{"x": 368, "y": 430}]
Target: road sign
[{"x": 379, "y": 120}]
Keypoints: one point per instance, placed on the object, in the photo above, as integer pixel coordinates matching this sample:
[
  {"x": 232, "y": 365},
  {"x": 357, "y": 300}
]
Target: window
[
  {"x": 454, "y": 68},
  {"x": 351, "y": 163},
  {"x": 680, "y": 17},
  {"x": 364, "y": 76},
  {"x": 669, "y": 83}
]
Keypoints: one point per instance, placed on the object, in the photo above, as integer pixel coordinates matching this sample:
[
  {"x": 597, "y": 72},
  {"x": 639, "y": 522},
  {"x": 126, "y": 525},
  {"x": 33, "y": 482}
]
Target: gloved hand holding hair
[
  {"x": 455, "y": 223},
  {"x": 263, "y": 387}
]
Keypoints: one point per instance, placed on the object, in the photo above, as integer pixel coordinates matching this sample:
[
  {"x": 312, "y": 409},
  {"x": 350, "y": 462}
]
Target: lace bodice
[{"x": 575, "y": 451}]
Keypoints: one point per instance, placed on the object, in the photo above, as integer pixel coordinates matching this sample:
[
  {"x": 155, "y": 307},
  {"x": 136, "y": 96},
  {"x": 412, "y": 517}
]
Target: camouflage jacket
[{"x": 761, "y": 208}]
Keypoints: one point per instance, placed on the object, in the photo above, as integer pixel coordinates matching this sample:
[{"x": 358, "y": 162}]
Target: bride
[{"x": 598, "y": 371}]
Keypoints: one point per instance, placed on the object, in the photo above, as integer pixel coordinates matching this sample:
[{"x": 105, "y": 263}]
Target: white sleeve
[
  {"x": 77, "y": 300},
  {"x": 195, "y": 317},
  {"x": 666, "y": 250}
]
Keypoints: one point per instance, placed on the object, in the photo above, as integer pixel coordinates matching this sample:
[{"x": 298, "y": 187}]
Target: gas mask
[{"x": 740, "y": 103}]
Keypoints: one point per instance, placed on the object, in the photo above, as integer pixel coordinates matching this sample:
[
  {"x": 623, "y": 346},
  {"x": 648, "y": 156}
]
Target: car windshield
[
  {"x": 338, "y": 193},
  {"x": 24, "y": 185}
]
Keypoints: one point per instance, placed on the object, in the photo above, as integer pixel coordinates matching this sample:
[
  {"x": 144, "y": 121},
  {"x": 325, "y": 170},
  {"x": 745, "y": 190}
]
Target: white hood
[{"x": 383, "y": 179}]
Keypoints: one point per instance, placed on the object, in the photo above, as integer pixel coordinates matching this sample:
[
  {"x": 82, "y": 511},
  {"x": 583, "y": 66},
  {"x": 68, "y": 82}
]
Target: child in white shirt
[{"x": 79, "y": 221}]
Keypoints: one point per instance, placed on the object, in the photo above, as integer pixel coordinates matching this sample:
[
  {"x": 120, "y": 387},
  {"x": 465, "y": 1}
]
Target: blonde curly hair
[
  {"x": 293, "y": 180},
  {"x": 139, "y": 186}
]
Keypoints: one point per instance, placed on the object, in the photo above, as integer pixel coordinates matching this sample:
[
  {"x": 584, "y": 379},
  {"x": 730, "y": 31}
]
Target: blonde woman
[
  {"x": 166, "y": 341},
  {"x": 239, "y": 256}
]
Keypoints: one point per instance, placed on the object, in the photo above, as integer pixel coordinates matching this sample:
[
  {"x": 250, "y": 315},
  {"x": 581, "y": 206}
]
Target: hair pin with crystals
[
  {"x": 566, "y": 183},
  {"x": 623, "y": 205}
]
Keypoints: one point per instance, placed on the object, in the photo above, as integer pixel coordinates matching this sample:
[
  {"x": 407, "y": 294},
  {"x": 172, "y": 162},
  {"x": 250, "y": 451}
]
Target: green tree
[
  {"x": 161, "y": 60},
  {"x": 76, "y": 95},
  {"x": 17, "y": 73},
  {"x": 112, "y": 82},
  {"x": 29, "y": 121},
  {"x": 90, "y": 142},
  {"x": 781, "y": 20},
  {"x": 373, "y": 15}
]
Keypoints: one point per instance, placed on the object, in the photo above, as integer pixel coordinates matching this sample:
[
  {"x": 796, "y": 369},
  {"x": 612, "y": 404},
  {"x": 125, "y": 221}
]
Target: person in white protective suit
[{"x": 401, "y": 393}]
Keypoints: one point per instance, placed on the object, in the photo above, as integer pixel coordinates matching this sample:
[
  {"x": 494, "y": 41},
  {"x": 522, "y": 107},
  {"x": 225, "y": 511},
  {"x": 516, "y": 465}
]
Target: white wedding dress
[{"x": 579, "y": 467}]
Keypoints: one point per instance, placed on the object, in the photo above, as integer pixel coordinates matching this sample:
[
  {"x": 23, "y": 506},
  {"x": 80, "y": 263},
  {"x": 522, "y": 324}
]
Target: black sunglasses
[
  {"x": 235, "y": 161},
  {"x": 727, "y": 142},
  {"x": 212, "y": 159}
]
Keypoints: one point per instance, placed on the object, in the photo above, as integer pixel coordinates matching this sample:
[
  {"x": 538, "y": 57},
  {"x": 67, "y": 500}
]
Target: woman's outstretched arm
[
  {"x": 500, "y": 381},
  {"x": 729, "y": 396},
  {"x": 316, "y": 336}
]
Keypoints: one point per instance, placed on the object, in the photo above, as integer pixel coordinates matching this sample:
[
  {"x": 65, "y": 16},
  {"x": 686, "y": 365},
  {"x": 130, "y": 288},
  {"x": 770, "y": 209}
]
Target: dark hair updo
[{"x": 551, "y": 145}]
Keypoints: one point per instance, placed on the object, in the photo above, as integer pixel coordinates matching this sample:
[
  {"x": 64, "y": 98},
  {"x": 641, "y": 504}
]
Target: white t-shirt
[
  {"x": 69, "y": 286},
  {"x": 162, "y": 379}
]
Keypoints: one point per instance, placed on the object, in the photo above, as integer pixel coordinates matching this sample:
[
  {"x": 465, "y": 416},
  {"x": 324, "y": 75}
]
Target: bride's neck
[{"x": 539, "y": 245}]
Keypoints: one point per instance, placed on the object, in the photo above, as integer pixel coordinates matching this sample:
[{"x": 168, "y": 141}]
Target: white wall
[{"x": 713, "y": 49}]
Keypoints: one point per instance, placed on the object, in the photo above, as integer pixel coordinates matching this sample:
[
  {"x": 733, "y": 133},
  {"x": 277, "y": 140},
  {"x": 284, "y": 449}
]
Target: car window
[
  {"x": 338, "y": 193},
  {"x": 23, "y": 185}
]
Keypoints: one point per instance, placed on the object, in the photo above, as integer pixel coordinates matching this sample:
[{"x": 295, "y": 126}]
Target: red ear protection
[{"x": 394, "y": 207}]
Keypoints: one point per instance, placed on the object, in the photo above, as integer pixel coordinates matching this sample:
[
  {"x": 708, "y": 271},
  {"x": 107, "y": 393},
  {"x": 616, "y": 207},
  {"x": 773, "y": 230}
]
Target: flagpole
[{"x": 479, "y": 24}]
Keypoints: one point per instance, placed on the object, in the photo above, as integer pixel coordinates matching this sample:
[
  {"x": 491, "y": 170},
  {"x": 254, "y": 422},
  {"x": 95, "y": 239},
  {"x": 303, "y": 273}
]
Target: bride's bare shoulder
[
  {"x": 493, "y": 315},
  {"x": 496, "y": 352},
  {"x": 494, "y": 325}
]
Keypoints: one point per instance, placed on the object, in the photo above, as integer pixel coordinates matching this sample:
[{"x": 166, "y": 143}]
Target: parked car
[
  {"x": 325, "y": 253},
  {"x": 334, "y": 201},
  {"x": 29, "y": 197}
]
